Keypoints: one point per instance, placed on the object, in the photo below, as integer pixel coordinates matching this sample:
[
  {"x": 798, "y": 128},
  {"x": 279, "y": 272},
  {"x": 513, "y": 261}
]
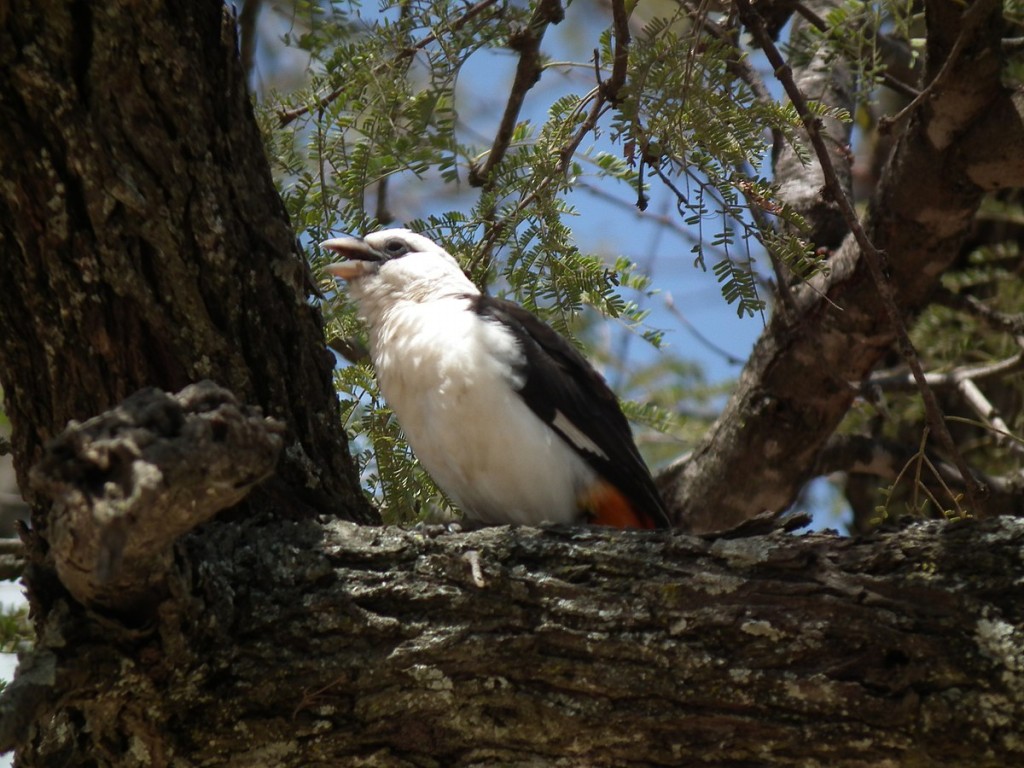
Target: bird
[{"x": 507, "y": 417}]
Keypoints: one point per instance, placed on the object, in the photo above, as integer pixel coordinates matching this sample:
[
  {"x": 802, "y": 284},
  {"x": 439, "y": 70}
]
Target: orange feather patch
[{"x": 604, "y": 504}]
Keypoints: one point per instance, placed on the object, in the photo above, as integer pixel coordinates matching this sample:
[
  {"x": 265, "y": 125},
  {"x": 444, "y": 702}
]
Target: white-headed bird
[{"x": 506, "y": 416}]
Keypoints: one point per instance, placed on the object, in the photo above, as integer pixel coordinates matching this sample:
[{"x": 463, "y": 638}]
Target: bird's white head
[{"x": 395, "y": 264}]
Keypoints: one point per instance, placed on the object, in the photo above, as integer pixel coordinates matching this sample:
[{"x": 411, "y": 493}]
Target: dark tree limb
[
  {"x": 296, "y": 644},
  {"x": 869, "y": 254},
  {"x": 127, "y": 484}
]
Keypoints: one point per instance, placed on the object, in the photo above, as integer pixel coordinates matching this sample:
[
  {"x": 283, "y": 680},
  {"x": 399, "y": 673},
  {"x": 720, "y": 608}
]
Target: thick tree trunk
[{"x": 143, "y": 241}]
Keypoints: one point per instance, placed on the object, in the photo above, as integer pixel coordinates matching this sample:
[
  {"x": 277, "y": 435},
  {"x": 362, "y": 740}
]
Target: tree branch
[
  {"x": 964, "y": 302},
  {"x": 340, "y": 644},
  {"x": 869, "y": 253},
  {"x": 527, "y": 44},
  {"x": 826, "y": 79},
  {"x": 964, "y": 380},
  {"x": 604, "y": 94},
  {"x": 883, "y": 42},
  {"x": 951, "y": 378},
  {"x": 127, "y": 484},
  {"x": 803, "y": 373},
  {"x": 287, "y": 116}
]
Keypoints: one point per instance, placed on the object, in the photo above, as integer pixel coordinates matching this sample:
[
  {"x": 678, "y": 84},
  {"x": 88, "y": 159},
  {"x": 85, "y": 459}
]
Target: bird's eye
[{"x": 396, "y": 247}]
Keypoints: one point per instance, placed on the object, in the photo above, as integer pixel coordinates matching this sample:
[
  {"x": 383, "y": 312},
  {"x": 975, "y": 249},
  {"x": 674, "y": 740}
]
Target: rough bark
[
  {"x": 143, "y": 245},
  {"x": 143, "y": 241},
  {"x": 803, "y": 373},
  {"x": 826, "y": 79},
  {"x": 994, "y": 147},
  {"x": 301, "y": 643},
  {"x": 130, "y": 482}
]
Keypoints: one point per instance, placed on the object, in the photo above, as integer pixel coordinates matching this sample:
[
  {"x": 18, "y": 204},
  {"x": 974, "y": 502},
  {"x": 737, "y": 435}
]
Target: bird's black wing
[{"x": 557, "y": 379}]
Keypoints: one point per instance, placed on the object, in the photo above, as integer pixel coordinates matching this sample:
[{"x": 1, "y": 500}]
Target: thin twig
[
  {"x": 889, "y": 461},
  {"x": 725, "y": 354},
  {"x": 895, "y": 84},
  {"x": 917, "y": 469},
  {"x": 779, "y": 267},
  {"x": 287, "y": 116},
  {"x": 951, "y": 378},
  {"x": 626, "y": 339},
  {"x": 954, "y": 497},
  {"x": 965, "y": 381},
  {"x": 1012, "y": 45},
  {"x": 608, "y": 90},
  {"x": 886, "y": 123},
  {"x": 740, "y": 67},
  {"x": 988, "y": 413},
  {"x": 382, "y": 211},
  {"x": 872, "y": 257},
  {"x": 528, "y": 70},
  {"x": 1002, "y": 435},
  {"x": 606, "y": 93},
  {"x": 1000, "y": 321},
  {"x": 661, "y": 219},
  {"x": 755, "y": 230},
  {"x": 321, "y": 159}
]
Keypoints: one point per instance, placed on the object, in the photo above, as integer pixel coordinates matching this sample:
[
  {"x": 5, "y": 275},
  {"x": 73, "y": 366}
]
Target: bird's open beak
[{"x": 361, "y": 259}]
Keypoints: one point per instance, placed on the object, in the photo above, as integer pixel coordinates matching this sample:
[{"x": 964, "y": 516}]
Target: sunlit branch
[{"x": 873, "y": 259}]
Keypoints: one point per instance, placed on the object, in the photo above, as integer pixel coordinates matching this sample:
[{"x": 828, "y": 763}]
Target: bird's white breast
[{"x": 448, "y": 375}]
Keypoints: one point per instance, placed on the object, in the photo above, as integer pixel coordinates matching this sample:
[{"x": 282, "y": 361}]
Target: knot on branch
[{"x": 129, "y": 482}]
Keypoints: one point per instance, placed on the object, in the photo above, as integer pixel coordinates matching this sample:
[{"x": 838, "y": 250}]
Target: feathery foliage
[{"x": 387, "y": 126}]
